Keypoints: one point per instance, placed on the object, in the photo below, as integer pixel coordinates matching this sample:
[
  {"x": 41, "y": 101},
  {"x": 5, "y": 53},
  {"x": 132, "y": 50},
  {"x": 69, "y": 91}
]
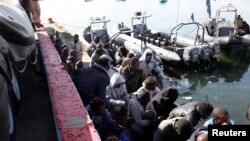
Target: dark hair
[
  {"x": 76, "y": 36},
  {"x": 104, "y": 61},
  {"x": 95, "y": 104},
  {"x": 205, "y": 108},
  {"x": 133, "y": 60},
  {"x": 106, "y": 45}
]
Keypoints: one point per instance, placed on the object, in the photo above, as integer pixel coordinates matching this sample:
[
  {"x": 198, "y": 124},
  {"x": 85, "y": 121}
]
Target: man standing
[{"x": 77, "y": 46}]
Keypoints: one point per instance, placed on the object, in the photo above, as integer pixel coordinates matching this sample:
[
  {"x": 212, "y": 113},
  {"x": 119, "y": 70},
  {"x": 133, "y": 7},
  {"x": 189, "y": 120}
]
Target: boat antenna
[{"x": 177, "y": 22}]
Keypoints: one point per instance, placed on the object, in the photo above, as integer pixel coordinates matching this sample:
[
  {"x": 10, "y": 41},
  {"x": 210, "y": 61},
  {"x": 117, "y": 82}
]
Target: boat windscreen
[{"x": 225, "y": 32}]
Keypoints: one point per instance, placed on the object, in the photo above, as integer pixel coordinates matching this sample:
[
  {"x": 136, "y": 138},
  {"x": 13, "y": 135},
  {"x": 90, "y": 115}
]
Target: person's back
[
  {"x": 163, "y": 102},
  {"x": 194, "y": 111},
  {"x": 176, "y": 129},
  {"x": 93, "y": 81}
]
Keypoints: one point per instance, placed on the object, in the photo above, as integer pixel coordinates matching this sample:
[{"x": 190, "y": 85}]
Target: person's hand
[{"x": 149, "y": 114}]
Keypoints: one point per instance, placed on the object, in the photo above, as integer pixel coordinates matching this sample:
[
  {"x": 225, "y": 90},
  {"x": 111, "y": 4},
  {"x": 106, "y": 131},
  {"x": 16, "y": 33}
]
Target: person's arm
[
  {"x": 136, "y": 115},
  {"x": 101, "y": 85},
  {"x": 111, "y": 101}
]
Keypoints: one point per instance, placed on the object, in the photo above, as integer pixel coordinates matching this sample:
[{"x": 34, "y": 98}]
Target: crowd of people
[{"x": 126, "y": 102}]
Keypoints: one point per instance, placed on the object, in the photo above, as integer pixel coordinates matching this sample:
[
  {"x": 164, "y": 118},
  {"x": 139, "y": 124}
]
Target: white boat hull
[{"x": 135, "y": 44}]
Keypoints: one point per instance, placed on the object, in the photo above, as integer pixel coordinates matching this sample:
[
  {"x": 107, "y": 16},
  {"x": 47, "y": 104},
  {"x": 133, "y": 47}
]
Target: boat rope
[
  {"x": 19, "y": 70},
  {"x": 36, "y": 57}
]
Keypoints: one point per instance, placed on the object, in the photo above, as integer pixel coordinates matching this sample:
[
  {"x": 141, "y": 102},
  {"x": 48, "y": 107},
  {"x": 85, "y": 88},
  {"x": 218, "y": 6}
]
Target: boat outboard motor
[
  {"x": 16, "y": 29},
  {"x": 215, "y": 50},
  {"x": 204, "y": 52},
  {"x": 191, "y": 54}
]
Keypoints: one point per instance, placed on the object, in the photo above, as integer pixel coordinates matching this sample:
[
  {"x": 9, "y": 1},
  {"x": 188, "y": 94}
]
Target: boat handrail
[
  {"x": 179, "y": 26},
  {"x": 141, "y": 16}
]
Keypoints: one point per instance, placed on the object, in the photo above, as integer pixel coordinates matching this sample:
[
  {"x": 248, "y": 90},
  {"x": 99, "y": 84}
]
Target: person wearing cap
[
  {"x": 93, "y": 82},
  {"x": 150, "y": 67},
  {"x": 116, "y": 94},
  {"x": 176, "y": 129},
  {"x": 164, "y": 102},
  {"x": 150, "y": 83},
  {"x": 220, "y": 116},
  {"x": 141, "y": 120},
  {"x": 99, "y": 52},
  {"x": 193, "y": 111}
]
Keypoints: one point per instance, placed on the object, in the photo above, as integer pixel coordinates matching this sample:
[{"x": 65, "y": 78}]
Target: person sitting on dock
[
  {"x": 193, "y": 111},
  {"x": 93, "y": 81},
  {"x": 97, "y": 53},
  {"x": 150, "y": 67},
  {"x": 93, "y": 45},
  {"x": 78, "y": 47},
  {"x": 220, "y": 116}
]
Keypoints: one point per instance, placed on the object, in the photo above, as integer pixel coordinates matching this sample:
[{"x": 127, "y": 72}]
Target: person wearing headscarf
[
  {"x": 116, "y": 94},
  {"x": 176, "y": 129},
  {"x": 150, "y": 83},
  {"x": 163, "y": 102},
  {"x": 150, "y": 67}
]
